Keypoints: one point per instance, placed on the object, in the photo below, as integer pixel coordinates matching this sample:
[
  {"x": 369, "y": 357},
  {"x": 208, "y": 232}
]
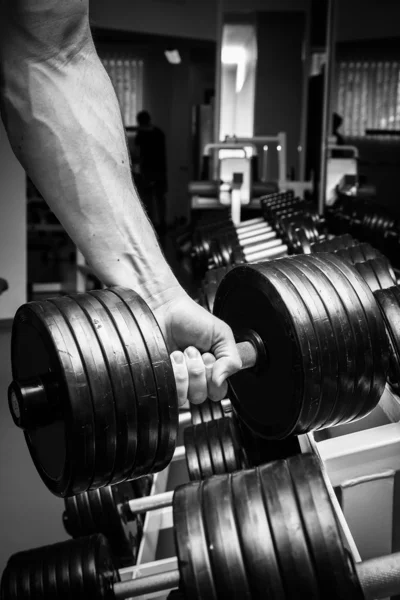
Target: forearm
[{"x": 64, "y": 123}]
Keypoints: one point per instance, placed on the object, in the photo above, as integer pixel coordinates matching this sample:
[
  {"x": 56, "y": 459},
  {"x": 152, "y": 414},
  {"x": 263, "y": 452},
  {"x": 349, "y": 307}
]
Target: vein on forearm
[{"x": 65, "y": 126}]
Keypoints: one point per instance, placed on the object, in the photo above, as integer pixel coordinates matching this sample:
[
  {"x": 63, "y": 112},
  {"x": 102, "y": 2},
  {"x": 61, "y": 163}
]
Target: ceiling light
[{"x": 173, "y": 57}]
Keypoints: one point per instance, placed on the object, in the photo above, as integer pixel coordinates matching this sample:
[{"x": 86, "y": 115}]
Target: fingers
[
  {"x": 215, "y": 393},
  {"x": 181, "y": 376},
  {"x": 197, "y": 392}
]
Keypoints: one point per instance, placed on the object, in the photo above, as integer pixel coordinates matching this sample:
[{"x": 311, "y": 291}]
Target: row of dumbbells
[
  {"x": 287, "y": 224},
  {"x": 368, "y": 222},
  {"x": 267, "y": 532},
  {"x": 215, "y": 443},
  {"x": 372, "y": 265}
]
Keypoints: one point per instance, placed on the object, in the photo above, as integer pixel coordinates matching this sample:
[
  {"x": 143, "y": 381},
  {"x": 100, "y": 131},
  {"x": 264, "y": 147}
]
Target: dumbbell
[
  {"x": 269, "y": 532},
  {"x": 224, "y": 252},
  {"x": 312, "y": 336},
  {"x": 202, "y": 241}
]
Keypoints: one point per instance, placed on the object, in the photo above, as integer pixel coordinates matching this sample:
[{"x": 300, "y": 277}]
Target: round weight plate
[
  {"x": 224, "y": 545},
  {"x": 216, "y": 410},
  {"x": 215, "y": 448},
  {"x": 353, "y": 308},
  {"x": 203, "y": 451},
  {"x": 49, "y": 573},
  {"x": 88, "y": 521},
  {"x": 146, "y": 426},
  {"x": 255, "y": 537},
  {"x": 75, "y": 526},
  {"x": 368, "y": 274},
  {"x": 335, "y": 578},
  {"x": 89, "y": 566},
  {"x": 252, "y": 390},
  {"x": 369, "y": 252},
  {"x": 118, "y": 371},
  {"x": 163, "y": 374},
  {"x": 64, "y": 451},
  {"x": 192, "y": 460},
  {"x": 107, "y": 573},
  {"x": 311, "y": 357},
  {"x": 377, "y": 334},
  {"x": 195, "y": 414},
  {"x": 24, "y": 584},
  {"x": 381, "y": 268},
  {"x": 288, "y": 533},
  {"x": 77, "y": 585},
  {"x": 36, "y": 567},
  {"x": 229, "y": 444},
  {"x": 325, "y": 338},
  {"x": 100, "y": 387},
  {"x": 114, "y": 499},
  {"x": 61, "y": 553},
  {"x": 191, "y": 543},
  {"x": 205, "y": 411},
  {"x": 125, "y": 405},
  {"x": 346, "y": 350},
  {"x": 390, "y": 310}
]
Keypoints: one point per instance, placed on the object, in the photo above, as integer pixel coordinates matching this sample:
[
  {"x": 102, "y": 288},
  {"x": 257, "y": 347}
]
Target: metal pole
[{"x": 326, "y": 114}]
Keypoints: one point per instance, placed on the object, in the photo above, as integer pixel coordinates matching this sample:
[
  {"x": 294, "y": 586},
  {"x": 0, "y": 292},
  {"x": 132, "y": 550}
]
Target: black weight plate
[
  {"x": 61, "y": 553},
  {"x": 214, "y": 444},
  {"x": 89, "y": 524},
  {"x": 118, "y": 371},
  {"x": 223, "y": 540},
  {"x": 205, "y": 411},
  {"x": 49, "y": 572},
  {"x": 24, "y": 583},
  {"x": 216, "y": 410},
  {"x": 287, "y": 529},
  {"x": 377, "y": 334},
  {"x": 163, "y": 374},
  {"x": 251, "y": 391},
  {"x": 358, "y": 325},
  {"x": 312, "y": 368},
  {"x": 100, "y": 388},
  {"x": 64, "y": 451},
  {"x": 75, "y": 525},
  {"x": 107, "y": 574},
  {"x": 126, "y": 405},
  {"x": 89, "y": 566},
  {"x": 146, "y": 427},
  {"x": 335, "y": 578},
  {"x": 36, "y": 567},
  {"x": 369, "y": 252},
  {"x": 229, "y": 444},
  {"x": 381, "y": 269},
  {"x": 192, "y": 460},
  {"x": 326, "y": 343},
  {"x": 321, "y": 281},
  {"x": 77, "y": 585},
  {"x": 390, "y": 311},
  {"x": 191, "y": 544},
  {"x": 368, "y": 274},
  {"x": 203, "y": 451},
  {"x": 256, "y": 537},
  {"x": 113, "y": 498},
  {"x": 196, "y": 414}
]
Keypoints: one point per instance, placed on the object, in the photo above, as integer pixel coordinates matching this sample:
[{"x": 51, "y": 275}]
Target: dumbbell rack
[{"x": 360, "y": 462}]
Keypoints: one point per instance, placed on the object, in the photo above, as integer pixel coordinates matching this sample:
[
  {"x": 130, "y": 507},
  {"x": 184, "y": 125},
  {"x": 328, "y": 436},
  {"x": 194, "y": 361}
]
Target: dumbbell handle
[{"x": 379, "y": 578}]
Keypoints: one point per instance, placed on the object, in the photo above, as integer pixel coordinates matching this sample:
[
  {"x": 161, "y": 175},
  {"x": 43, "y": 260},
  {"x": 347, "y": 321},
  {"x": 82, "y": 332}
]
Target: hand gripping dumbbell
[
  {"x": 269, "y": 532},
  {"x": 313, "y": 336}
]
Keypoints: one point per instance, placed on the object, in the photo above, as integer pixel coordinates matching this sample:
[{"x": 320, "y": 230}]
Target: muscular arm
[{"x": 64, "y": 124}]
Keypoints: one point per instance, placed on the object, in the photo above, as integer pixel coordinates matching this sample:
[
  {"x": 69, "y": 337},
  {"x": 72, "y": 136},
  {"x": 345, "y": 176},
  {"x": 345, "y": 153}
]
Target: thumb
[{"x": 228, "y": 360}]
